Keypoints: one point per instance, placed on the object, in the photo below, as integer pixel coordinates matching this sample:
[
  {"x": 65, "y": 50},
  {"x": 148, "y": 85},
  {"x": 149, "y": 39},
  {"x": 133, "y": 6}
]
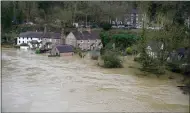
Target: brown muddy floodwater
[{"x": 36, "y": 83}]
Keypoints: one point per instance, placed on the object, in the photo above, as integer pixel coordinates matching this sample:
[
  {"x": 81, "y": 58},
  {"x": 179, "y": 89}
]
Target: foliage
[
  {"x": 104, "y": 38},
  {"x": 111, "y": 59},
  {"x": 129, "y": 50},
  {"x": 37, "y": 51},
  {"x": 124, "y": 40},
  {"x": 106, "y": 26}
]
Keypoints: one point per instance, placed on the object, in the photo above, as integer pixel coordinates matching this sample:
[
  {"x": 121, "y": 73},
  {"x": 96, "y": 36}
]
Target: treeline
[
  {"x": 60, "y": 14},
  {"x": 55, "y": 12}
]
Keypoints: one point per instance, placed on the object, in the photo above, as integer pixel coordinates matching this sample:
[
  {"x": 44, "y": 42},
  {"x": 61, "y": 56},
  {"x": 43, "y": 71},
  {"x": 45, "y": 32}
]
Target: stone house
[
  {"x": 62, "y": 50},
  {"x": 85, "y": 40},
  {"x": 50, "y": 39}
]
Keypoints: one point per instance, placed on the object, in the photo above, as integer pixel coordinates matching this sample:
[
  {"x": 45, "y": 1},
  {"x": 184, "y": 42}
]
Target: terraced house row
[{"x": 83, "y": 39}]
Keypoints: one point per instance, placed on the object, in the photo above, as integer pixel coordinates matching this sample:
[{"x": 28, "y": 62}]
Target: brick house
[{"x": 85, "y": 40}]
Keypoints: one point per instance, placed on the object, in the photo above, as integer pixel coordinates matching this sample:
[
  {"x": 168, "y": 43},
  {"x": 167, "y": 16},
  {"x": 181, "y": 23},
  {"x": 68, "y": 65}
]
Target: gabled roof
[
  {"x": 134, "y": 11},
  {"x": 52, "y": 35},
  {"x": 31, "y": 34},
  {"x": 85, "y": 35},
  {"x": 40, "y": 34},
  {"x": 64, "y": 48}
]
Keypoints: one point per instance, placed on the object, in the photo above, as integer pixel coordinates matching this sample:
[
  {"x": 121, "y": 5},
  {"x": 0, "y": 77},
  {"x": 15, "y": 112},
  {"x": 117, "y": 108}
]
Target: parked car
[
  {"x": 139, "y": 27},
  {"x": 29, "y": 23},
  {"x": 121, "y": 26},
  {"x": 114, "y": 26}
]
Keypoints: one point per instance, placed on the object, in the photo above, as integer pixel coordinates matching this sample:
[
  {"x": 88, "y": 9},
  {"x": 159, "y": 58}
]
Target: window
[
  {"x": 81, "y": 41},
  {"x": 22, "y": 41},
  {"x": 88, "y": 41},
  {"x": 27, "y": 38},
  {"x": 31, "y": 38},
  {"x": 18, "y": 41}
]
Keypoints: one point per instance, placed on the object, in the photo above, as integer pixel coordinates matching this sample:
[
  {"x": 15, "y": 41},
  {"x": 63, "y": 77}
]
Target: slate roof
[
  {"x": 31, "y": 34},
  {"x": 85, "y": 35},
  {"x": 40, "y": 34},
  {"x": 64, "y": 48},
  {"x": 134, "y": 11},
  {"x": 52, "y": 35}
]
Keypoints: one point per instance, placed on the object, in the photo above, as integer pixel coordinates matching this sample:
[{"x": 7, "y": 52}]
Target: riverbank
[{"x": 130, "y": 67}]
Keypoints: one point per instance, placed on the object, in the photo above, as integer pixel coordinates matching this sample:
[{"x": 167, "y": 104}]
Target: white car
[{"x": 30, "y": 23}]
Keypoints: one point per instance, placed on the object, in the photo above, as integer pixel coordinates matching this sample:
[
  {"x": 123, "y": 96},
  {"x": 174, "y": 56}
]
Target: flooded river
[{"x": 36, "y": 83}]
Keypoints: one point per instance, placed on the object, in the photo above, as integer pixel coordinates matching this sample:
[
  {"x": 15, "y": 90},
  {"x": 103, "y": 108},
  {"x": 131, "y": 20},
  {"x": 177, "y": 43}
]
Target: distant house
[
  {"x": 38, "y": 39},
  {"x": 134, "y": 18},
  {"x": 85, "y": 40},
  {"x": 50, "y": 39},
  {"x": 62, "y": 50}
]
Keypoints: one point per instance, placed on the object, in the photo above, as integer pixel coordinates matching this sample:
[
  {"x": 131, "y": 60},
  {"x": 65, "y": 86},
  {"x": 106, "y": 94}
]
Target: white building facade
[{"x": 38, "y": 37}]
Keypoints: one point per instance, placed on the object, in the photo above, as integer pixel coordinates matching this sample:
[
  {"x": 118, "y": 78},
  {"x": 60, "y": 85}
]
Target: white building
[
  {"x": 33, "y": 39},
  {"x": 29, "y": 36}
]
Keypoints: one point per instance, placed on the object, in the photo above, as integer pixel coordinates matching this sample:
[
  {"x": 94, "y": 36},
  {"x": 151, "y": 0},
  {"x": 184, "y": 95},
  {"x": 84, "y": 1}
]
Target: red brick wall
[{"x": 67, "y": 54}]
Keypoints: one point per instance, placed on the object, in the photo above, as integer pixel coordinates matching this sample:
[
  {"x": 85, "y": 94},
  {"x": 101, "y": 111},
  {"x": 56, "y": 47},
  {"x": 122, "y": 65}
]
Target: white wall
[{"x": 21, "y": 40}]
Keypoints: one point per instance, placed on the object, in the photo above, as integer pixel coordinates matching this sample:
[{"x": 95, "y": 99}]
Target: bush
[
  {"x": 111, "y": 60},
  {"x": 129, "y": 50},
  {"x": 124, "y": 40},
  {"x": 37, "y": 51},
  {"x": 106, "y": 26}
]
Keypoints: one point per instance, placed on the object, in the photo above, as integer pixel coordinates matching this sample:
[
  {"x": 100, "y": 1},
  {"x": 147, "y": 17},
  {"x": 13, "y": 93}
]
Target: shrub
[
  {"x": 129, "y": 50},
  {"x": 37, "y": 51},
  {"x": 124, "y": 40},
  {"x": 111, "y": 60},
  {"x": 106, "y": 26}
]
